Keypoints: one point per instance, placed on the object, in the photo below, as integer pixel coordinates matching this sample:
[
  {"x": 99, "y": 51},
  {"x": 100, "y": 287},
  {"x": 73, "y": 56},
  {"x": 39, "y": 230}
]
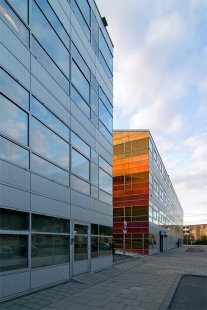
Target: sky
[{"x": 160, "y": 84}]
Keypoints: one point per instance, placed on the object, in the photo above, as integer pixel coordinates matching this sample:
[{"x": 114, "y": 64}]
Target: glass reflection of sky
[
  {"x": 48, "y": 144},
  {"x": 105, "y": 181},
  {"x": 80, "y": 82},
  {"x": 80, "y": 144},
  {"x": 80, "y": 185},
  {"x": 13, "y": 121},
  {"x": 21, "y": 6},
  {"x": 49, "y": 170},
  {"x": 105, "y": 116},
  {"x": 80, "y": 165},
  {"x": 49, "y": 39},
  {"x": 18, "y": 93},
  {"x": 105, "y": 197},
  {"x": 78, "y": 100},
  {"x": 14, "y": 153},
  {"x": 49, "y": 118}
]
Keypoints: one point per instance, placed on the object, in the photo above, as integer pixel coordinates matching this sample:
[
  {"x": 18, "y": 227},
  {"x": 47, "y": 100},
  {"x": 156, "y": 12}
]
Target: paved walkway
[{"x": 141, "y": 283}]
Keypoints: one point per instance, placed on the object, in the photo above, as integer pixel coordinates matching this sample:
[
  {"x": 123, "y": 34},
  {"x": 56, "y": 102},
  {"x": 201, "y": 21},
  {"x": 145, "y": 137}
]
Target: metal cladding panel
[
  {"x": 103, "y": 79},
  {"x": 101, "y": 263},
  {"x": 14, "y": 45},
  {"x": 14, "y": 284},
  {"x": 13, "y": 66},
  {"x": 78, "y": 114},
  {"x": 80, "y": 130},
  {"x": 14, "y": 175},
  {"x": 103, "y": 219},
  {"x": 80, "y": 267},
  {"x": 49, "y": 275},
  {"x": 103, "y": 208},
  {"x": 82, "y": 214},
  {"x": 101, "y": 151},
  {"x": 104, "y": 142},
  {"x": 48, "y": 188},
  {"x": 49, "y": 206},
  {"x": 82, "y": 200},
  {"x": 61, "y": 13},
  {"x": 43, "y": 76},
  {"x": 43, "y": 95},
  {"x": 14, "y": 198}
]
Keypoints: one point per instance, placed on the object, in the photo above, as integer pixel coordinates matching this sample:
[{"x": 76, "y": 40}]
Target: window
[
  {"x": 80, "y": 61},
  {"x": 54, "y": 21},
  {"x": 13, "y": 21},
  {"x": 80, "y": 102},
  {"x": 14, "y": 153},
  {"x": 81, "y": 242},
  {"x": 150, "y": 146},
  {"x": 105, "y": 100},
  {"x": 48, "y": 144},
  {"x": 155, "y": 157},
  {"x": 80, "y": 144},
  {"x": 94, "y": 174},
  {"x": 104, "y": 165},
  {"x": 18, "y": 94},
  {"x": 95, "y": 34},
  {"x": 105, "y": 181},
  {"x": 49, "y": 170},
  {"x": 53, "y": 247},
  {"x": 13, "y": 252},
  {"x": 105, "y": 132},
  {"x": 105, "y": 55},
  {"x": 83, "y": 15},
  {"x": 94, "y": 101},
  {"x": 13, "y": 220},
  {"x": 21, "y": 7},
  {"x": 155, "y": 186},
  {"x": 49, "y": 65},
  {"x": 80, "y": 165},
  {"x": 13, "y": 121},
  {"x": 105, "y": 197},
  {"x": 80, "y": 185},
  {"x": 150, "y": 180},
  {"x": 47, "y": 36},
  {"x": 105, "y": 116},
  {"x": 80, "y": 82},
  {"x": 41, "y": 112}
]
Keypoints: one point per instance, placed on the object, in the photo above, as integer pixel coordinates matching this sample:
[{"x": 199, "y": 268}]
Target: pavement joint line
[{"x": 166, "y": 302}]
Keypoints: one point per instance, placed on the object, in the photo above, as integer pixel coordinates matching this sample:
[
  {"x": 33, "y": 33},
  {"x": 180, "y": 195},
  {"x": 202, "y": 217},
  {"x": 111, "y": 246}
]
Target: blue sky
[{"x": 160, "y": 83}]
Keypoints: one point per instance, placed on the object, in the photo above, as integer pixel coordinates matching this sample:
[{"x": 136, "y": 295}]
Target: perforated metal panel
[
  {"x": 44, "y": 205},
  {"x": 82, "y": 214},
  {"x": 14, "y": 175},
  {"x": 48, "y": 188},
  {"x": 14, "y": 45},
  {"x": 80, "y": 116},
  {"x": 12, "y": 65},
  {"x": 59, "y": 10},
  {"x": 102, "y": 151},
  {"x": 101, "y": 263},
  {"x": 43, "y": 76},
  {"x": 80, "y": 130},
  {"x": 82, "y": 200},
  {"x": 42, "y": 94},
  {"x": 14, "y": 283},
  {"x": 49, "y": 275},
  {"x": 103, "y": 208},
  {"x": 103, "y": 219},
  {"x": 14, "y": 198}
]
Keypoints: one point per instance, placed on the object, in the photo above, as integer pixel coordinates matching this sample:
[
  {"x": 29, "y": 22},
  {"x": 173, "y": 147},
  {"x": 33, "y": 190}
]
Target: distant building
[
  {"x": 143, "y": 196},
  {"x": 194, "y": 233},
  {"x": 56, "y": 126}
]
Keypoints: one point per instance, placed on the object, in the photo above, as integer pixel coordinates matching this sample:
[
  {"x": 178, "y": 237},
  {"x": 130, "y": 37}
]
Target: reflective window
[
  {"x": 105, "y": 132},
  {"x": 94, "y": 247},
  {"x": 47, "y": 143},
  {"x": 43, "y": 223},
  {"x": 13, "y": 220},
  {"x": 80, "y": 185},
  {"x": 80, "y": 102},
  {"x": 94, "y": 174},
  {"x": 18, "y": 94},
  {"x": 21, "y": 7},
  {"x": 14, "y": 153},
  {"x": 13, "y": 252},
  {"x": 81, "y": 15},
  {"x": 81, "y": 242},
  {"x": 80, "y": 144},
  {"x": 105, "y": 100},
  {"x": 94, "y": 101},
  {"x": 94, "y": 83},
  {"x": 105, "y": 246},
  {"x": 13, "y": 21},
  {"x": 49, "y": 118},
  {"x": 80, "y": 82},
  {"x": 105, "y": 51},
  {"x": 80, "y": 61},
  {"x": 13, "y": 120},
  {"x": 49, "y": 65},
  {"x": 150, "y": 146},
  {"x": 94, "y": 229},
  {"x": 105, "y": 197},
  {"x": 53, "y": 19},
  {"x": 94, "y": 27},
  {"x": 105, "y": 116},
  {"x": 105, "y": 67},
  {"x": 46, "y": 35},
  {"x": 105, "y": 181},
  {"x": 104, "y": 165},
  {"x": 42, "y": 253},
  {"x": 80, "y": 165},
  {"x": 85, "y": 10},
  {"x": 49, "y": 170},
  {"x": 61, "y": 249},
  {"x": 105, "y": 230}
]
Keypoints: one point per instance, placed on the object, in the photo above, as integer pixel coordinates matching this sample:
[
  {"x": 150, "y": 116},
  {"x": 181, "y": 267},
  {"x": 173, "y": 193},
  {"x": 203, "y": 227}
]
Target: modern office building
[
  {"x": 143, "y": 196},
  {"x": 55, "y": 142},
  {"x": 195, "y": 233}
]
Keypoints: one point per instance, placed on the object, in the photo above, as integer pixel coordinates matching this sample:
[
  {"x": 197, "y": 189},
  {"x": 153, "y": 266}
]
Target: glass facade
[{"x": 140, "y": 196}]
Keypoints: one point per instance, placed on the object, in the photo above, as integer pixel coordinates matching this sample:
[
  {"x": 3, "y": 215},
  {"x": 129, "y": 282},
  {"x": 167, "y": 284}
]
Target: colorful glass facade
[{"x": 143, "y": 196}]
